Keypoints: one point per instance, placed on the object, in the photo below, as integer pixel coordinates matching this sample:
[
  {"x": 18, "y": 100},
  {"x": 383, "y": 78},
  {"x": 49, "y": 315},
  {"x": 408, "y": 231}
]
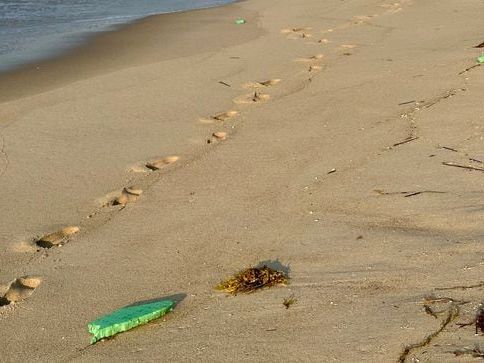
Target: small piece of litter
[
  {"x": 240, "y": 21},
  {"x": 332, "y": 171},
  {"x": 480, "y": 59},
  {"x": 128, "y": 318}
]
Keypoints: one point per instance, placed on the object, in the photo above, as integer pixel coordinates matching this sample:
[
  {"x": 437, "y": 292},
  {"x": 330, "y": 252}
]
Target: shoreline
[{"x": 125, "y": 42}]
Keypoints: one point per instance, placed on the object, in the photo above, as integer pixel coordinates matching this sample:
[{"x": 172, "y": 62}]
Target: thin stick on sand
[{"x": 462, "y": 166}]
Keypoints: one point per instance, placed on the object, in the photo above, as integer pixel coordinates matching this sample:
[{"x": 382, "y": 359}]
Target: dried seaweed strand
[
  {"x": 453, "y": 312},
  {"x": 461, "y": 287},
  {"x": 469, "y": 68}
]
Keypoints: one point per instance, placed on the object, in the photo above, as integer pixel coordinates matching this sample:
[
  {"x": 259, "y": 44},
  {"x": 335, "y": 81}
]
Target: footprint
[
  {"x": 161, "y": 163},
  {"x": 314, "y": 68},
  {"x": 58, "y": 238},
  {"x": 268, "y": 83},
  {"x": 20, "y": 289},
  {"x": 128, "y": 195},
  {"x": 220, "y": 116},
  {"x": 220, "y": 135},
  {"x": 255, "y": 97},
  {"x": 313, "y": 58}
]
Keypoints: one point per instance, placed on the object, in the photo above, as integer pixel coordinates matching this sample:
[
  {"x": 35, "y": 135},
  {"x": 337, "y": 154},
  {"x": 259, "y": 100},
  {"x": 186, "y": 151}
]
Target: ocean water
[{"x": 37, "y": 29}]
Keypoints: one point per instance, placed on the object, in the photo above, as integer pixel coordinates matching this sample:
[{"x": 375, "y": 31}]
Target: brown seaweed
[{"x": 251, "y": 279}]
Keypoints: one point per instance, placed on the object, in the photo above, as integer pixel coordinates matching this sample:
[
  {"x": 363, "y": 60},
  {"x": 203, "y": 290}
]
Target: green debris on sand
[
  {"x": 240, "y": 21},
  {"x": 480, "y": 59},
  {"x": 128, "y": 318}
]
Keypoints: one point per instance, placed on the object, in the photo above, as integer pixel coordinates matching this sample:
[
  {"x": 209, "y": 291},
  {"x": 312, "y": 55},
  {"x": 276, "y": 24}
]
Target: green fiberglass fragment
[
  {"x": 480, "y": 59},
  {"x": 240, "y": 21},
  {"x": 128, "y": 318}
]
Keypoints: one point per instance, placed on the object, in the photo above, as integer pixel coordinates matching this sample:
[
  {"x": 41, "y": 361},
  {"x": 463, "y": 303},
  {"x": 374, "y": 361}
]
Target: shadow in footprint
[
  {"x": 20, "y": 289},
  {"x": 58, "y": 238}
]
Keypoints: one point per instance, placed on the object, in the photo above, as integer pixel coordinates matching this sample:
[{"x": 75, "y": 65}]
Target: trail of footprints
[{"x": 22, "y": 287}]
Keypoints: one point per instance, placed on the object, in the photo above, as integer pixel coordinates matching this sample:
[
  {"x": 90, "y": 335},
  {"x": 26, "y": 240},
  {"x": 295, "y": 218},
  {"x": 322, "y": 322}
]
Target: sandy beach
[{"x": 340, "y": 140}]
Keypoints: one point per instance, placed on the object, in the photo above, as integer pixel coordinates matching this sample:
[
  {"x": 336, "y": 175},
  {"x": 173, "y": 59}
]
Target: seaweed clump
[{"x": 251, "y": 279}]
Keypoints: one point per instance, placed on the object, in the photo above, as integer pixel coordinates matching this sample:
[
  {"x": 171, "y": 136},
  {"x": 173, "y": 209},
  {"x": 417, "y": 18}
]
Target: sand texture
[{"x": 341, "y": 141}]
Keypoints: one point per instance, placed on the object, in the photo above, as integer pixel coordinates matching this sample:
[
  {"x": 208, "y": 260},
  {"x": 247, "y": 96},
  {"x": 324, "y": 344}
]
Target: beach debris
[
  {"x": 289, "y": 301},
  {"x": 408, "y": 194},
  {"x": 161, "y": 163},
  {"x": 224, "y": 83},
  {"x": 57, "y": 238},
  {"x": 479, "y": 320},
  {"x": 128, "y": 195},
  {"x": 469, "y": 167},
  {"x": 406, "y": 102},
  {"x": 480, "y": 59},
  {"x": 471, "y": 67},
  {"x": 20, "y": 289},
  {"x": 331, "y": 171},
  {"x": 452, "y": 313},
  {"x": 449, "y": 148},
  {"x": 407, "y": 140},
  {"x": 240, "y": 21},
  {"x": 220, "y": 135},
  {"x": 252, "y": 279},
  {"x": 128, "y": 318},
  {"x": 481, "y": 45}
]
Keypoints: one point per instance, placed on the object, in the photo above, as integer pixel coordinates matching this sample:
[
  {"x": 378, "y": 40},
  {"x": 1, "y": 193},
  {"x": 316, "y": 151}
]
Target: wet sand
[{"x": 323, "y": 136}]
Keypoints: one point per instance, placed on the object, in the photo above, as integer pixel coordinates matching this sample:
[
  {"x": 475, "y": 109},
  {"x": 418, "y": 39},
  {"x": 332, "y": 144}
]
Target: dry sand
[{"x": 306, "y": 175}]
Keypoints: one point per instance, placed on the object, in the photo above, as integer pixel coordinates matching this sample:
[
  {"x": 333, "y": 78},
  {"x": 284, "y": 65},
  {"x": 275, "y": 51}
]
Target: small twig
[
  {"x": 422, "y": 192},
  {"x": 450, "y": 149},
  {"x": 469, "y": 68},
  {"x": 225, "y": 84},
  {"x": 453, "y": 313},
  {"x": 461, "y": 287},
  {"x": 406, "y": 103},
  {"x": 406, "y": 140},
  {"x": 461, "y": 166}
]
